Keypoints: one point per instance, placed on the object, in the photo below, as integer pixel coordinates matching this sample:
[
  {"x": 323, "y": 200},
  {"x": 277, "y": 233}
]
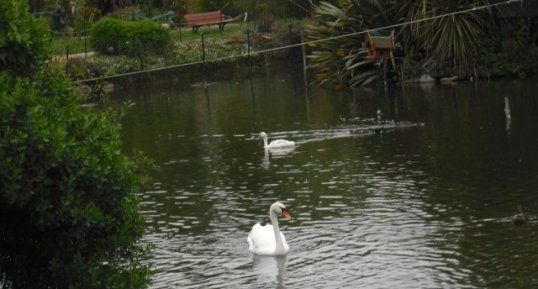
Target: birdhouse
[{"x": 379, "y": 46}]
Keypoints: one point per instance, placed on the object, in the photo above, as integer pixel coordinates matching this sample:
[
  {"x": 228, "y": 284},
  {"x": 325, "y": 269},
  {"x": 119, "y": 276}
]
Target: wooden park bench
[{"x": 196, "y": 20}]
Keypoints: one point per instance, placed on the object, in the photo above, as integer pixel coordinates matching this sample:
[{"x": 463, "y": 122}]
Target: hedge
[{"x": 132, "y": 38}]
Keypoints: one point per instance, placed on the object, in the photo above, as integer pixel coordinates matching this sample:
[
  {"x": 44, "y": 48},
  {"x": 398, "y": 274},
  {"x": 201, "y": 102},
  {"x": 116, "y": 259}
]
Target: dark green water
[{"x": 420, "y": 207}]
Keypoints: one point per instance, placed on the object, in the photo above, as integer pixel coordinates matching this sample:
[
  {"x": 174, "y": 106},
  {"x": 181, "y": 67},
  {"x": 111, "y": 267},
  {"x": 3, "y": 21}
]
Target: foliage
[
  {"x": 107, "y": 6},
  {"x": 452, "y": 41},
  {"x": 68, "y": 211},
  {"x": 339, "y": 61},
  {"x": 265, "y": 18},
  {"x": 129, "y": 37},
  {"x": 106, "y": 65},
  {"x": 512, "y": 62},
  {"x": 208, "y": 5},
  {"x": 191, "y": 51},
  {"x": 183, "y": 52},
  {"x": 60, "y": 44},
  {"x": 443, "y": 45},
  {"x": 287, "y": 8},
  {"x": 22, "y": 41},
  {"x": 278, "y": 8},
  {"x": 109, "y": 33},
  {"x": 188, "y": 50},
  {"x": 68, "y": 214},
  {"x": 515, "y": 55}
]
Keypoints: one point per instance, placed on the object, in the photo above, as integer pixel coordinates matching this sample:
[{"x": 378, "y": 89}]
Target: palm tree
[
  {"x": 451, "y": 38},
  {"x": 435, "y": 33},
  {"x": 341, "y": 61}
]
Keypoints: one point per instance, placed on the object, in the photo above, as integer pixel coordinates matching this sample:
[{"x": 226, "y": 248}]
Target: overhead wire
[{"x": 268, "y": 50}]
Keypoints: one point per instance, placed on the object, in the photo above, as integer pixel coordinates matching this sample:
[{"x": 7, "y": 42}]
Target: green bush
[
  {"x": 153, "y": 38},
  {"x": 68, "y": 212},
  {"x": 131, "y": 38},
  {"x": 109, "y": 33},
  {"x": 22, "y": 38},
  {"x": 511, "y": 62}
]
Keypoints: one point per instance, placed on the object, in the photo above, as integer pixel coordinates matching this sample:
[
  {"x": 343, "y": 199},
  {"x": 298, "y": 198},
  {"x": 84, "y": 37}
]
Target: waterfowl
[
  {"x": 275, "y": 144},
  {"x": 519, "y": 218},
  {"x": 268, "y": 240}
]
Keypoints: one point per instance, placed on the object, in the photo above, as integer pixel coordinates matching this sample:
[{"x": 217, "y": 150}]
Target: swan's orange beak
[{"x": 286, "y": 214}]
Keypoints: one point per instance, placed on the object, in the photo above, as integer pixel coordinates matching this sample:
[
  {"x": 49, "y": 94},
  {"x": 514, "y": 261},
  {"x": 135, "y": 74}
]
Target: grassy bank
[
  {"x": 229, "y": 46},
  {"x": 76, "y": 44}
]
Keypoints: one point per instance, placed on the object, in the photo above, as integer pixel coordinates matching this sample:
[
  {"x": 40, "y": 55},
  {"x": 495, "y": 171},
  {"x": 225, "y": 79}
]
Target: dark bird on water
[{"x": 520, "y": 218}]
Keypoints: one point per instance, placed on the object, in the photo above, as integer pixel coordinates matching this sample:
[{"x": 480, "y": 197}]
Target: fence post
[
  {"x": 248, "y": 42},
  {"x": 203, "y": 47},
  {"x": 304, "y": 59},
  {"x": 140, "y": 52},
  {"x": 85, "y": 39},
  {"x": 221, "y": 26},
  {"x": 248, "y": 48},
  {"x": 67, "y": 59},
  {"x": 291, "y": 35},
  {"x": 253, "y": 14},
  {"x": 203, "y": 61},
  {"x": 378, "y": 91}
]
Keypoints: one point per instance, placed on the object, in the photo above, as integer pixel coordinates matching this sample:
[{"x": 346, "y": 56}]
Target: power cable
[{"x": 474, "y": 9}]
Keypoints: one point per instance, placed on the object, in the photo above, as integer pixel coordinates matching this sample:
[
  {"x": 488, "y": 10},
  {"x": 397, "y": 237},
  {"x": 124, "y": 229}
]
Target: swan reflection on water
[
  {"x": 269, "y": 269},
  {"x": 281, "y": 151}
]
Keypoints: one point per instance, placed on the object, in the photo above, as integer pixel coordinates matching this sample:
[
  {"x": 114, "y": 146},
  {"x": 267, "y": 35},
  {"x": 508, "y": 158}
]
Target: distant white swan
[
  {"x": 277, "y": 143},
  {"x": 268, "y": 240}
]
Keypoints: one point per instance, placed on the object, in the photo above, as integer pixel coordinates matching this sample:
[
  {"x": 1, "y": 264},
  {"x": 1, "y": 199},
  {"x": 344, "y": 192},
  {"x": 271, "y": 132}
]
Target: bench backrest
[{"x": 204, "y": 18}]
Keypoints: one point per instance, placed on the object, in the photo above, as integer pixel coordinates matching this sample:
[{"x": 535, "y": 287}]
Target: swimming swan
[
  {"x": 268, "y": 240},
  {"x": 278, "y": 143}
]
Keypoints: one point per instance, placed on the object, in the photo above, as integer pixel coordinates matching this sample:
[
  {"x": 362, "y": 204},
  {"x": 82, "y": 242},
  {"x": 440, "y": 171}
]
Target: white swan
[
  {"x": 268, "y": 240},
  {"x": 277, "y": 143}
]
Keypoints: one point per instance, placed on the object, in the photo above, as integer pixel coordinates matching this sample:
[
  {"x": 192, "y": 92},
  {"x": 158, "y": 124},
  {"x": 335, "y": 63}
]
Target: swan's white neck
[{"x": 276, "y": 229}]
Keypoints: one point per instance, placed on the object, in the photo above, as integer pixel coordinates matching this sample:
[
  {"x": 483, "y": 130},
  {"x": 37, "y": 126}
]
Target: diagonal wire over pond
[{"x": 470, "y": 10}]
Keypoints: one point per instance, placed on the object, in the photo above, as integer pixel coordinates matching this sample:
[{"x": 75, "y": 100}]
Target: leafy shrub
[
  {"x": 511, "y": 62},
  {"x": 108, "y": 33},
  {"x": 191, "y": 51},
  {"x": 154, "y": 38},
  {"x": 129, "y": 37},
  {"x": 22, "y": 41},
  {"x": 68, "y": 214}
]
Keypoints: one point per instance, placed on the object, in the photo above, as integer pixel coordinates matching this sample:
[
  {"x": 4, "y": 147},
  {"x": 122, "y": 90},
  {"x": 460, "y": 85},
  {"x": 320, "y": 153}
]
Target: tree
[
  {"x": 68, "y": 210},
  {"x": 442, "y": 45},
  {"x": 449, "y": 42},
  {"x": 107, "y": 6},
  {"x": 23, "y": 40},
  {"x": 339, "y": 60}
]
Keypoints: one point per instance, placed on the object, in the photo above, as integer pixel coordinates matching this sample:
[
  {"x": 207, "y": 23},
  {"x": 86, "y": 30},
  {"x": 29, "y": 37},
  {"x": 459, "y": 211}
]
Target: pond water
[{"x": 427, "y": 206}]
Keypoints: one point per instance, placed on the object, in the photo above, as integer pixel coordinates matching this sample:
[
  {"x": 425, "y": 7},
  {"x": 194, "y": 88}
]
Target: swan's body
[
  {"x": 268, "y": 240},
  {"x": 277, "y": 143}
]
